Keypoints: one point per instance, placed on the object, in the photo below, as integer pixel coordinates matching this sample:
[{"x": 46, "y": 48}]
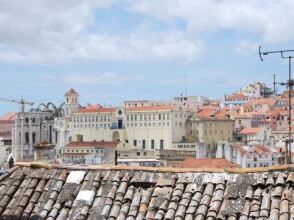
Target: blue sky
[{"x": 115, "y": 50}]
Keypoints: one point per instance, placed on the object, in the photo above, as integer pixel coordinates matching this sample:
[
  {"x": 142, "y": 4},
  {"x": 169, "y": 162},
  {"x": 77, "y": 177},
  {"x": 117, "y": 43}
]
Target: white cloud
[
  {"x": 65, "y": 31},
  {"x": 246, "y": 48},
  {"x": 270, "y": 18},
  {"x": 60, "y": 31},
  {"x": 107, "y": 78}
]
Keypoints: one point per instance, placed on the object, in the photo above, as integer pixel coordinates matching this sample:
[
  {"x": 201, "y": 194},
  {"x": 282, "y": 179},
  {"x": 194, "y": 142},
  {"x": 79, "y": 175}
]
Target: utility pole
[{"x": 289, "y": 84}]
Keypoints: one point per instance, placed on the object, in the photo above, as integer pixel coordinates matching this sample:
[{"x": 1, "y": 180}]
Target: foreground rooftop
[{"x": 42, "y": 191}]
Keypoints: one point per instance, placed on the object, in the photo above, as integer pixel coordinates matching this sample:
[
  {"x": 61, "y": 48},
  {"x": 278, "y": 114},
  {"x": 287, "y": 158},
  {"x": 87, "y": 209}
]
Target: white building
[
  {"x": 34, "y": 127},
  {"x": 252, "y": 155},
  {"x": 257, "y": 90},
  {"x": 31, "y": 128},
  {"x": 89, "y": 152},
  {"x": 145, "y": 127}
]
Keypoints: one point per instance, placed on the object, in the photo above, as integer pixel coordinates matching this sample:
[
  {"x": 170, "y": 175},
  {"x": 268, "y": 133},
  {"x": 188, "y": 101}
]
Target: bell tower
[{"x": 72, "y": 103}]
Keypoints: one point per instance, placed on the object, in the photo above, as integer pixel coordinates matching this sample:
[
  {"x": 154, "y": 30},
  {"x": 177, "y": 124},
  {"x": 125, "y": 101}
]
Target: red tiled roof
[
  {"x": 268, "y": 101},
  {"x": 239, "y": 148},
  {"x": 246, "y": 131},
  {"x": 71, "y": 92},
  {"x": 8, "y": 116},
  {"x": 259, "y": 149},
  {"x": 93, "y": 106},
  {"x": 236, "y": 96},
  {"x": 206, "y": 163},
  {"x": 276, "y": 111},
  {"x": 92, "y": 110},
  {"x": 93, "y": 144},
  {"x": 152, "y": 108},
  {"x": 212, "y": 113}
]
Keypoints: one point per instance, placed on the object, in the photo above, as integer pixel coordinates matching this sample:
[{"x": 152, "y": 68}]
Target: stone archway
[{"x": 116, "y": 136}]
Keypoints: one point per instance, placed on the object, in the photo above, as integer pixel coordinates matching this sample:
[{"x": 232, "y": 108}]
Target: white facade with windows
[
  {"x": 31, "y": 128},
  {"x": 150, "y": 128},
  {"x": 252, "y": 155}
]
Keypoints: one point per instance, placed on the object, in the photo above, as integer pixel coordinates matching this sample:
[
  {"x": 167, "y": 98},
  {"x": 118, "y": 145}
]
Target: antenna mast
[{"x": 289, "y": 84}]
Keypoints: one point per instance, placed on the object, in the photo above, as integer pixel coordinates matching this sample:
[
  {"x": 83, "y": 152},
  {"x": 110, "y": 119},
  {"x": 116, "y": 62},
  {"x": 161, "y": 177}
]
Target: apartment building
[
  {"x": 208, "y": 127},
  {"x": 246, "y": 155},
  {"x": 89, "y": 152},
  {"x": 144, "y": 127}
]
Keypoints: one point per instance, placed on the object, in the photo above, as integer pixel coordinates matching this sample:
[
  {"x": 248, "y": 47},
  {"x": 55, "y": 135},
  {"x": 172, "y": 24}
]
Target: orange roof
[
  {"x": 246, "y": 131},
  {"x": 93, "y": 110},
  {"x": 93, "y": 106},
  {"x": 268, "y": 101},
  {"x": 152, "y": 108},
  {"x": 276, "y": 111},
  {"x": 236, "y": 96},
  {"x": 259, "y": 149},
  {"x": 8, "y": 116},
  {"x": 71, "y": 92},
  {"x": 212, "y": 113},
  {"x": 239, "y": 148},
  {"x": 100, "y": 144},
  {"x": 206, "y": 163}
]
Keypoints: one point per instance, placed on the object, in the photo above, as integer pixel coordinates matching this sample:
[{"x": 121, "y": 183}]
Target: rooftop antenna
[{"x": 288, "y": 84}]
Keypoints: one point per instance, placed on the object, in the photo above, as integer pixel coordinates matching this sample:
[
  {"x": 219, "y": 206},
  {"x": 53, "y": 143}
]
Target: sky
[{"x": 115, "y": 50}]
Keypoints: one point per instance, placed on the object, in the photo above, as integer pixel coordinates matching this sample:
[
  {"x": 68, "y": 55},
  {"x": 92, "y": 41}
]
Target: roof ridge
[{"x": 157, "y": 169}]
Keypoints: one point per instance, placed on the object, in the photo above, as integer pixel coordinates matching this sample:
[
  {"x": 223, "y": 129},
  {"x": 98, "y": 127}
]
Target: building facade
[
  {"x": 90, "y": 152},
  {"x": 208, "y": 127},
  {"x": 251, "y": 155}
]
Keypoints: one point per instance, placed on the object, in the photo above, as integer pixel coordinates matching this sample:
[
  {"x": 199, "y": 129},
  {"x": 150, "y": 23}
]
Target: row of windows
[
  {"x": 73, "y": 100},
  {"x": 210, "y": 132},
  {"x": 91, "y": 126},
  {"x": 216, "y": 124},
  {"x": 163, "y": 124},
  {"x": 186, "y": 146},
  {"x": 145, "y": 117},
  {"x": 82, "y": 151},
  {"x": 32, "y": 119},
  {"x": 266, "y": 164},
  {"x": 144, "y": 143},
  {"x": 91, "y": 118}
]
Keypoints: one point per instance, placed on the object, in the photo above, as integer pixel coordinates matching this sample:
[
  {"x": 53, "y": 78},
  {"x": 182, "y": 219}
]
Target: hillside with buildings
[{"x": 246, "y": 129}]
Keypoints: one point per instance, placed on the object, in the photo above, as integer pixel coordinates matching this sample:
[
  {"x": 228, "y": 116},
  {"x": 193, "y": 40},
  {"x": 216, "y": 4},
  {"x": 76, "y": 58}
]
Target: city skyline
[{"x": 111, "y": 51}]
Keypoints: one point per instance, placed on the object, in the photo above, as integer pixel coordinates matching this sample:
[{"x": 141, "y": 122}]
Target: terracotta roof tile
[
  {"x": 268, "y": 101},
  {"x": 71, "y": 92},
  {"x": 239, "y": 147},
  {"x": 212, "y": 113},
  {"x": 97, "y": 110},
  {"x": 35, "y": 192},
  {"x": 259, "y": 149},
  {"x": 248, "y": 131},
  {"x": 8, "y": 116},
  {"x": 93, "y": 144},
  {"x": 206, "y": 163},
  {"x": 152, "y": 108},
  {"x": 236, "y": 96}
]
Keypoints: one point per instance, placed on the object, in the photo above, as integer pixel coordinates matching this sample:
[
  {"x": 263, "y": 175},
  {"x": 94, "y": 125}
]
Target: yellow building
[{"x": 209, "y": 126}]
